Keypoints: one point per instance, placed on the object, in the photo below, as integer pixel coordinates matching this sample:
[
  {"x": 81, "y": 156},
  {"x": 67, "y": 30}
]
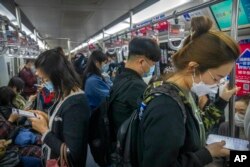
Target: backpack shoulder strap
[{"x": 170, "y": 89}]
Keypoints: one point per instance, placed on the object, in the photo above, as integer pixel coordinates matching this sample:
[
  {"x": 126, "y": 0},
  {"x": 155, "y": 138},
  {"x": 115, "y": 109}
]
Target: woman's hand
[
  {"x": 203, "y": 101},
  {"x": 228, "y": 93},
  {"x": 42, "y": 114},
  {"x": 40, "y": 124},
  {"x": 217, "y": 149},
  {"x": 32, "y": 98},
  {"x": 13, "y": 117}
]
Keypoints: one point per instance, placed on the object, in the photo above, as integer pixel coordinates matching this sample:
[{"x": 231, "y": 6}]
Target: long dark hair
[
  {"x": 59, "y": 70},
  {"x": 91, "y": 68}
]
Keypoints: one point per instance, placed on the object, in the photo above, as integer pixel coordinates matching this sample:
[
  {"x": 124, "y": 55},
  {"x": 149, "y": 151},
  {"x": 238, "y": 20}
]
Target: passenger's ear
[
  {"x": 140, "y": 60},
  {"x": 192, "y": 65}
]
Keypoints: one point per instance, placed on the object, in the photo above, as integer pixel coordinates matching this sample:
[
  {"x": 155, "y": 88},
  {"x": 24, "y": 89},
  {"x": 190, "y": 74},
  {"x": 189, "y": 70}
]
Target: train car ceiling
[
  {"x": 57, "y": 20},
  {"x": 78, "y": 20}
]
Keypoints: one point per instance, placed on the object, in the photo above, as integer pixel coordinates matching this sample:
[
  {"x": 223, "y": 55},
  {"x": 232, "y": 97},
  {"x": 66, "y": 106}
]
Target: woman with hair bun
[{"x": 170, "y": 135}]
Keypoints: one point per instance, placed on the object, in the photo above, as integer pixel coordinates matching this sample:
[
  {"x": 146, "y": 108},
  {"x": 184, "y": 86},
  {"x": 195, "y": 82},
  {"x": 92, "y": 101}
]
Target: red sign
[
  {"x": 243, "y": 70},
  {"x": 161, "y": 26}
]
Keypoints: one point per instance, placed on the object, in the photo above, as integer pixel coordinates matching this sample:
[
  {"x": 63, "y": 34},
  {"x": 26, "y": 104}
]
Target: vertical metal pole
[
  {"x": 69, "y": 47},
  {"x": 234, "y": 35},
  {"x": 131, "y": 20},
  {"x": 18, "y": 17},
  {"x": 19, "y": 23},
  {"x": 3, "y": 28},
  {"x": 35, "y": 35},
  {"x": 45, "y": 46},
  {"x": 103, "y": 44}
]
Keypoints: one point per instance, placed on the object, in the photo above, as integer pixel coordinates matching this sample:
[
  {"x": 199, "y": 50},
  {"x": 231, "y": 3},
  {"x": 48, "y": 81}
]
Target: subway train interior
[{"x": 79, "y": 80}]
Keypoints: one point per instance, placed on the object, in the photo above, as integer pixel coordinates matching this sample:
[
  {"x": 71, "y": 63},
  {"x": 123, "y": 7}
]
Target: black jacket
[
  {"x": 69, "y": 125},
  {"x": 166, "y": 141},
  {"x": 127, "y": 96}
]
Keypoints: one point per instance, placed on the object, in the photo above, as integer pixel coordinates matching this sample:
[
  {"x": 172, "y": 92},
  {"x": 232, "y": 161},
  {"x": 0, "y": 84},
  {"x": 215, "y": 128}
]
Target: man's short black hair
[{"x": 141, "y": 46}]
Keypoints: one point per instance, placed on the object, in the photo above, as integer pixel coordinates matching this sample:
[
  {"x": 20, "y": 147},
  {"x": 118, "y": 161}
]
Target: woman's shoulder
[
  {"x": 74, "y": 99},
  {"x": 95, "y": 81},
  {"x": 94, "y": 77}
]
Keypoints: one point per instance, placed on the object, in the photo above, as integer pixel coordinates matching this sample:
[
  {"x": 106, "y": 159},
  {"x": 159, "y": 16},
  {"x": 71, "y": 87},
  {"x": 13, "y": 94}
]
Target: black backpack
[
  {"x": 128, "y": 144},
  {"x": 101, "y": 133}
]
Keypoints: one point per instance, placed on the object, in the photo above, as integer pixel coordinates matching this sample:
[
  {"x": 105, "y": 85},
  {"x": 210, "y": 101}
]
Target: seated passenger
[
  {"x": 171, "y": 136},
  {"x": 241, "y": 104},
  {"x": 67, "y": 120},
  {"x": 94, "y": 84},
  {"x": 9, "y": 128},
  {"x": 247, "y": 123},
  {"x": 17, "y": 85}
]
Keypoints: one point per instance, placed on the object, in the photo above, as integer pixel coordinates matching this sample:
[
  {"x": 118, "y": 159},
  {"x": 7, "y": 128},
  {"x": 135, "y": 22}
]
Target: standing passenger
[
  {"x": 168, "y": 137},
  {"x": 94, "y": 84},
  {"x": 29, "y": 78},
  {"x": 129, "y": 86},
  {"x": 67, "y": 120}
]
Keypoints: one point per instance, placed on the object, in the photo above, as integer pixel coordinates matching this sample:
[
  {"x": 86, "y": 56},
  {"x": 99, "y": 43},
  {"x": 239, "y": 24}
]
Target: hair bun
[{"x": 200, "y": 25}]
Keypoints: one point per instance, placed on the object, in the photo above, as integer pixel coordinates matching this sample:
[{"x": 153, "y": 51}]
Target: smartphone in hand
[{"x": 24, "y": 113}]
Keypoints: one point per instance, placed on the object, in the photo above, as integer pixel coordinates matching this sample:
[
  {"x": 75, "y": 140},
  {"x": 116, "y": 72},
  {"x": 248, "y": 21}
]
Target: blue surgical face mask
[
  {"x": 105, "y": 68},
  {"x": 49, "y": 86},
  {"x": 150, "y": 72}
]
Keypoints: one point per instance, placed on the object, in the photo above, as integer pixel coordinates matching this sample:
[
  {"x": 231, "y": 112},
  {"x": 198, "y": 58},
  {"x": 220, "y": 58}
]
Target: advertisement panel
[{"x": 243, "y": 70}]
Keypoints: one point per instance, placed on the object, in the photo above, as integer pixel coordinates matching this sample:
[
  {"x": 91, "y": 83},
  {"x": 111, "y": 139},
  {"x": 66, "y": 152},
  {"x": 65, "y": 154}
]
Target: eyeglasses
[{"x": 220, "y": 82}]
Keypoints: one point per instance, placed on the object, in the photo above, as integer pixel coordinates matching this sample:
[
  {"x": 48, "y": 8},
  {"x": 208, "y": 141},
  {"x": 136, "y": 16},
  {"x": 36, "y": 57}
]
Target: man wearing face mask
[
  {"x": 29, "y": 78},
  {"x": 240, "y": 112},
  {"x": 148, "y": 76},
  {"x": 129, "y": 86}
]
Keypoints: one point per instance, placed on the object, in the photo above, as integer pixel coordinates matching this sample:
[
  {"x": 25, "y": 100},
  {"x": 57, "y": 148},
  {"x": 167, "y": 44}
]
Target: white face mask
[
  {"x": 33, "y": 69},
  {"x": 239, "y": 120},
  {"x": 213, "y": 88},
  {"x": 201, "y": 89}
]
